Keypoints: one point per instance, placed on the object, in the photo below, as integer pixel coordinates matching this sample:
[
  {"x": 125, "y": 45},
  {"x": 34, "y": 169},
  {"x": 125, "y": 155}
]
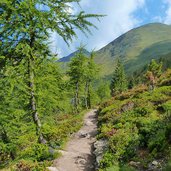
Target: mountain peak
[{"x": 136, "y": 47}]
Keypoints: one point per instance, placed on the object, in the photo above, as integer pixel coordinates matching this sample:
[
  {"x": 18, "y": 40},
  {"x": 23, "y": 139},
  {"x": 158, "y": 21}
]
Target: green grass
[{"x": 136, "y": 48}]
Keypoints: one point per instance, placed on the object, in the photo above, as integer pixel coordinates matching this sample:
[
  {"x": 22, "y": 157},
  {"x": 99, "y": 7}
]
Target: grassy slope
[
  {"x": 137, "y": 126},
  {"x": 136, "y": 47}
]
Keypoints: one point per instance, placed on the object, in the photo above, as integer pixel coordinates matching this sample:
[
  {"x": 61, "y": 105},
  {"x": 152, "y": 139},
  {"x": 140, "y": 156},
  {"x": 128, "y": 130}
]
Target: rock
[
  {"x": 62, "y": 152},
  {"x": 51, "y": 150},
  {"x": 88, "y": 123},
  {"x": 80, "y": 161},
  {"x": 52, "y": 169},
  {"x": 100, "y": 148},
  {"x": 127, "y": 107},
  {"x": 88, "y": 136},
  {"x": 82, "y": 134},
  {"x": 155, "y": 163},
  {"x": 134, "y": 164}
]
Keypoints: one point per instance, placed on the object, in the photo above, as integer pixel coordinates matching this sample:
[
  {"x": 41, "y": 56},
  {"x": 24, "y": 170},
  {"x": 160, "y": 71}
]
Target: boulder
[
  {"x": 100, "y": 147},
  {"x": 127, "y": 107},
  {"x": 155, "y": 163},
  {"x": 82, "y": 134},
  {"x": 134, "y": 164}
]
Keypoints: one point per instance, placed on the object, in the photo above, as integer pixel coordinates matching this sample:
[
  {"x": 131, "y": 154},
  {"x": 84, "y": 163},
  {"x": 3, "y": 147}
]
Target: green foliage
[
  {"x": 82, "y": 72},
  {"x": 118, "y": 167},
  {"x": 77, "y": 74},
  {"x": 119, "y": 82},
  {"x": 139, "y": 121},
  {"x": 153, "y": 73},
  {"x": 41, "y": 152},
  {"x": 103, "y": 91},
  {"x": 24, "y": 165},
  {"x": 155, "y": 68},
  {"x": 32, "y": 91},
  {"x": 107, "y": 160}
]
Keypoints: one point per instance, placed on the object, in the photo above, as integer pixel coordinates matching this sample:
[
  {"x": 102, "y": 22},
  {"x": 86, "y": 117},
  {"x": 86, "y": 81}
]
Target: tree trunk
[
  {"x": 77, "y": 97},
  {"x": 86, "y": 95},
  {"x": 33, "y": 108},
  {"x": 89, "y": 96}
]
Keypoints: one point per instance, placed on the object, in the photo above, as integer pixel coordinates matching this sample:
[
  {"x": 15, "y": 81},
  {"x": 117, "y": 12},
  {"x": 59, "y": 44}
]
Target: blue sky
[{"x": 122, "y": 15}]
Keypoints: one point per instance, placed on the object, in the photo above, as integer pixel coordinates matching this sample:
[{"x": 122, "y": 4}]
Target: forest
[{"x": 43, "y": 101}]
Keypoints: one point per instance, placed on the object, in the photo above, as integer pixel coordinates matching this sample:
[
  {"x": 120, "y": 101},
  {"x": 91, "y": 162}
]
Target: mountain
[
  {"x": 135, "y": 48},
  {"x": 69, "y": 57}
]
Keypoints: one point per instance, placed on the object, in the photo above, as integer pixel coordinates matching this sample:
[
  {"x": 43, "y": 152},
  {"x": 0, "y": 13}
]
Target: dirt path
[{"x": 78, "y": 153}]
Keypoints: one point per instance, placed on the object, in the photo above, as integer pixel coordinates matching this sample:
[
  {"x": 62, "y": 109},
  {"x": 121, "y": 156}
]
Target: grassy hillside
[
  {"x": 136, "y": 48},
  {"x": 137, "y": 127}
]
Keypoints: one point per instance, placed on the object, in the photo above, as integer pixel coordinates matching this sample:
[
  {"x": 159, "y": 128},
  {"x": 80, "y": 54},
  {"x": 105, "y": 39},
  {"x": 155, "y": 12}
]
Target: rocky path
[{"x": 78, "y": 154}]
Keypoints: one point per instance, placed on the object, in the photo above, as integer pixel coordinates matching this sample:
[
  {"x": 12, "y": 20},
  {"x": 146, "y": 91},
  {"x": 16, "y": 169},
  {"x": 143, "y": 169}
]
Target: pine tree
[
  {"x": 119, "y": 82},
  {"x": 25, "y": 29}
]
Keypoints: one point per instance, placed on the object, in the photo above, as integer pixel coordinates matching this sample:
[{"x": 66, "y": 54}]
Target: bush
[
  {"x": 144, "y": 125},
  {"x": 28, "y": 165}
]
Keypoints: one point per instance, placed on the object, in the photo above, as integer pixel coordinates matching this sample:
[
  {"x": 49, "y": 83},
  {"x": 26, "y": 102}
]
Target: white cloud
[
  {"x": 167, "y": 18},
  {"x": 158, "y": 19},
  {"x": 120, "y": 18}
]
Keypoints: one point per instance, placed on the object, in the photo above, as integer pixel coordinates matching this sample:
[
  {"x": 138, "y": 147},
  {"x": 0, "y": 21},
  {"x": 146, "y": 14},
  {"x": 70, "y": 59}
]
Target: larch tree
[
  {"x": 119, "y": 81},
  {"x": 25, "y": 27},
  {"x": 90, "y": 75},
  {"x": 77, "y": 72}
]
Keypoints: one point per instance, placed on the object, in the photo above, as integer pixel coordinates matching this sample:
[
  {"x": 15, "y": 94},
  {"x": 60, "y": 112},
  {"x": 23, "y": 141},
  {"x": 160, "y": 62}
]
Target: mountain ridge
[
  {"x": 135, "y": 48},
  {"x": 69, "y": 57}
]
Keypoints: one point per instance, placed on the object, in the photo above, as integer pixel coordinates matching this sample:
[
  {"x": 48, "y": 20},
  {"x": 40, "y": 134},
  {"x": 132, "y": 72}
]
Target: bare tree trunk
[
  {"x": 33, "y": 108},
  {"x": 86, "y": 95},
  {"x": 77, "y": 97}
]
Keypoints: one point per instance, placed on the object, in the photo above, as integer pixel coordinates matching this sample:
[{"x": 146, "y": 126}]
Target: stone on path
[{"x": 52, "y": 169}]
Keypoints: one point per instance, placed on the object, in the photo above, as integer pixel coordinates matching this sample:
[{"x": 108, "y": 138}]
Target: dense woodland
[{"x": 41, "y": 106}]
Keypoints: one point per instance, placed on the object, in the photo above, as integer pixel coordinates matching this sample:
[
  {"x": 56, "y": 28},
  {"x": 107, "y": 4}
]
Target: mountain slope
[
  {"x": 136, "y": 48},
  {"x": 69, "y": 57}
]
